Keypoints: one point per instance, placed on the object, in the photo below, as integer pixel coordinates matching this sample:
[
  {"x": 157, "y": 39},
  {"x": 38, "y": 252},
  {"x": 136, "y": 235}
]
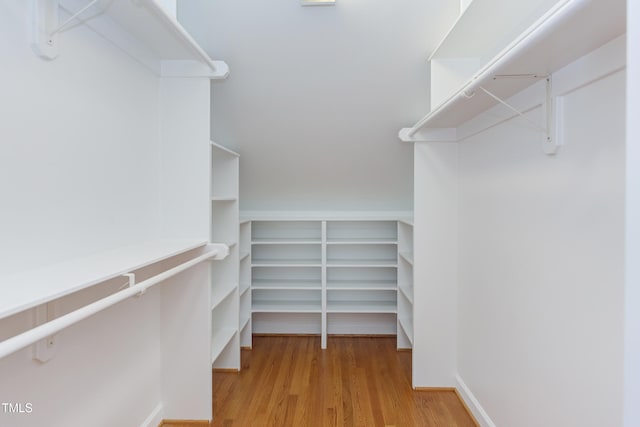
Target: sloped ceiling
[{"x": 317, "y": 95}]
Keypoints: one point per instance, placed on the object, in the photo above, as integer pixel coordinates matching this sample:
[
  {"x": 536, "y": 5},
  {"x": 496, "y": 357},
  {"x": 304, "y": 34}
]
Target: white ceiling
[{"x": 317, "y": 95}]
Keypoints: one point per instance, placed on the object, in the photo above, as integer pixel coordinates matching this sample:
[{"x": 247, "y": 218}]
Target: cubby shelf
[
  {"x": 344, "y": 267},
  {"x": 220, "y": 292},
  {"x": 220, "y": 339},
  {"x": 290, "y": 306},
  {"x": 225, "y": 276},
  {"x": 407, "y": 256},
  {"x": 405, "y": 285}
]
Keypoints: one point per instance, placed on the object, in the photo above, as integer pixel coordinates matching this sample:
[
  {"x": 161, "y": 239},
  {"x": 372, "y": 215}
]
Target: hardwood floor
[{"x": 290, "y": 381}]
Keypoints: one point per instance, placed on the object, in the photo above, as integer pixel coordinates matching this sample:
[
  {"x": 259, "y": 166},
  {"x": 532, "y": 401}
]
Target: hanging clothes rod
[
  {"x": 553, "y": 18},
  {"x": 48, "y": 329}
]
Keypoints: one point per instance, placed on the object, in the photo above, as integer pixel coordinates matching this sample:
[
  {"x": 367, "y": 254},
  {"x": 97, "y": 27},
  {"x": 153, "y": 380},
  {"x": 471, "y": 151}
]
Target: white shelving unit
[
  {"x": 245, "y": 284},
  {"x": 405, "y": 285},
  {"x": 144, "y": 29},
  {"x": 533, "y": 40},
  {"x": 324, "y": 276},
  {"x": 225, "y": 275}
]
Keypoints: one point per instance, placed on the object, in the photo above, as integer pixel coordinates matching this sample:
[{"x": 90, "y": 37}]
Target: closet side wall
[
  {"x": 541, "y": 263},
  {"x": 79, "y": 173},
  {"x": 632, "y": 289},
  {"x": 79, "y": 158}
]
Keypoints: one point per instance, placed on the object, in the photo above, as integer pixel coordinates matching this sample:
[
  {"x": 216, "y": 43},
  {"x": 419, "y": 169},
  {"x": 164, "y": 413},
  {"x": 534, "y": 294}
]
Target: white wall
[
  {"x": 632, "y": 288},
  {"x": 317, "y": 94},
  {"x": 541, "y": 264},
  {"x": 435, "y": 271}
]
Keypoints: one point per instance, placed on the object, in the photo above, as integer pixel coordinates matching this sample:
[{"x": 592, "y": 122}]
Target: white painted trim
[
  {"x": 155, "y": 417},
  {"x": 473, "y": 404}
]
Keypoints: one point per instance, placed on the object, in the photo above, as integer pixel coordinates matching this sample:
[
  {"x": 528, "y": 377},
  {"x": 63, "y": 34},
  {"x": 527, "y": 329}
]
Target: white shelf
[
  {"x": 407, "y": 327},
  {"x": 244, "y": 322},
  {"x": 224, "y": 199},
  {"x": 219, "y": 340},
  {"x": 24, "y": 291},
  {"x": 286, "y": 241},
  {"x": 407, "y": 256},
  {"x": 286, "y": 263},
  {"x": 244, "y": 287},
  {"x": 407, "y": 293},
  {"x": 224, "y": 149},
  {"x": 147, "y": 32},
  {"x": 283, "y": 284},
  {"x": 220, "y": 292},
  {"x": 361, "y": 263},
  {"x": 361, "y": 307},
  {"x": 292, "y": 306},
  {"x": 572, "y": 29},
  {"x": 362, "y": 285},
  {"x": 362, "y": 241}
]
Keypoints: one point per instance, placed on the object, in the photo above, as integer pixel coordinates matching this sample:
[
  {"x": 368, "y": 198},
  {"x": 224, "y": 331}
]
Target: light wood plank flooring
[{"x": 290, "y": 381}]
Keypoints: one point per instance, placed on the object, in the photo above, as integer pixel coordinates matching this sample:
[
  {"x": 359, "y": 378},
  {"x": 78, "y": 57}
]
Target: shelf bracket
[
  {"x": 45, "y": 26},
  {"x": 45, "y": 349},
  {"x": 550, "y": 142},
  {"x": 132, "y": 282}
]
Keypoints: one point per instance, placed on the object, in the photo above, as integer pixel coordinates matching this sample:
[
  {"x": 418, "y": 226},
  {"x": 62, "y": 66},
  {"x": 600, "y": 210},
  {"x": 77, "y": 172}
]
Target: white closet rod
[
  {"x": 521, "y": 44},
  {"x": 48, "y": 329}
]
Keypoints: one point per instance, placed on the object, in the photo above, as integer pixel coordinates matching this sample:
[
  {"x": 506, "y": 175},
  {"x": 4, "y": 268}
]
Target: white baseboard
[
  {"x": 472, "y": 403},
  {"x": 155, "y": 417}
]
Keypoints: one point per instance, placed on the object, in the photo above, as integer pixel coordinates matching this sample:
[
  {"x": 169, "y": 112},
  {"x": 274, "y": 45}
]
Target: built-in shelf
[
  {"x": 284, "y": 283},
  {"x": 467, "y": 58},
  {"x": 219, "y": 340},
  {"x": 244, "y": 287},
  {"x": 41, "y": 285},
  {"x": 362, "y": 263},
  {"x": 361, "y": 307},
  {"x": 346, "y": 267},
  {"x": 285, "y": 241},
  {"x": 223, "y": 149},
  {"x": 224, "y": 199},
  {"x": 407, "y": 328},
  {"x": 358, "y": 241},
  {"x": 220, "y": 292},
  {"x": 407, "y": 293},
  {"x": 363, "y": 285},
  {"x": 407, "y": 256},
  {"x": 227, "y": 295},
  {"x": 286, "y": 306},
  {"x": 143, "y": 29}
]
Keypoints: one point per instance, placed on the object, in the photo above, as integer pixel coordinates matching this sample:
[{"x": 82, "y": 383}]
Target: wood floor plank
[{"x": 356, "y": 381}]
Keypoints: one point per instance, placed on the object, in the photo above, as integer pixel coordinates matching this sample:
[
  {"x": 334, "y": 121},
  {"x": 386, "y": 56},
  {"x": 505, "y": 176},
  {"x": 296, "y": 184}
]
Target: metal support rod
[
  {"x": 515, "y": 110},
  {"x": 48, "y": 329},
  {"x": 74, "y": 16}
]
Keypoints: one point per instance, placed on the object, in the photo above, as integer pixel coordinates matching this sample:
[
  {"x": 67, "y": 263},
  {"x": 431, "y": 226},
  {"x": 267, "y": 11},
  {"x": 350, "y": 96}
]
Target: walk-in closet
[{"x": 314, "y": 213}]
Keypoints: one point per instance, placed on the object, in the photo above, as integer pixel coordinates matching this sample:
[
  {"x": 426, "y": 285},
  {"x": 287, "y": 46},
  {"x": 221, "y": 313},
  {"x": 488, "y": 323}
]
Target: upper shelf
[
  {"x": 24, "y": 291},
  {"x": 569, "y": 30},
  {"x": 145, "y": 30}
]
